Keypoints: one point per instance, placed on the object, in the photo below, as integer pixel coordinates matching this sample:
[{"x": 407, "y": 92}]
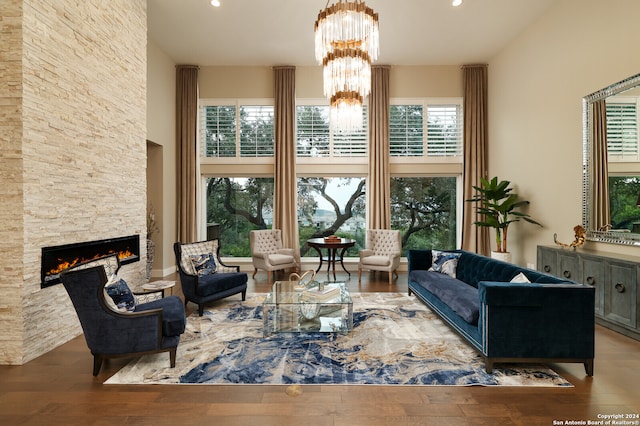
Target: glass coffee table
[{"x": 322, "y": 307}]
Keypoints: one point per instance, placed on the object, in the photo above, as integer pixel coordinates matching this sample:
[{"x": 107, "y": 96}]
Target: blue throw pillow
[
  {"x": 121, "y": 295},
  {"x": 203, "y": 264},
  {"x": 445, "y": 262}
]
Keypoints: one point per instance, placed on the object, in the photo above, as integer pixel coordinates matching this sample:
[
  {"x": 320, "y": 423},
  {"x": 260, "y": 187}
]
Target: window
[
  {"x": 441, "y": 122},
  {"x": 236, "y": 206},
  {"x": 425, "y": 165},
  {"x": 406, "y": 130},
  {"x": 218, "y": 130},
  {"x": 622, "y": 129},
  {"x": 222, "y": 137},
  {"x": 623, "y": 198},
  {"x": 444, "y": 130},
  {"x": 424, "y": 210},
  {"x": 256, "y": 131},
  {"x": 315, "y": 138},
  {"x": 331, "y": 204}
]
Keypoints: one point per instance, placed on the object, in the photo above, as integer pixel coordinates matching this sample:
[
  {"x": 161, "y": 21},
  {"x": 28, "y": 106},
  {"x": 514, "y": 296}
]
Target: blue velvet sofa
[{"x": 547, "y": 320}]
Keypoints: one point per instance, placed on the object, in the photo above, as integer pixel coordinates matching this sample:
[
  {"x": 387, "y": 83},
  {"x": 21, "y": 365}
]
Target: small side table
[
  {"x": 159, "y": 286},
  {"x": 332, "y": 247}
]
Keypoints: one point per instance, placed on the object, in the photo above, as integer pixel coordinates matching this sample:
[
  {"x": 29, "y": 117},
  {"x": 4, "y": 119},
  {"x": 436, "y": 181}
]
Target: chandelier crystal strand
[{"x": 346, "y": 42}]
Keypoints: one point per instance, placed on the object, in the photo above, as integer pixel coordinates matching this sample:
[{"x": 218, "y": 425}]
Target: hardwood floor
[{"x": 58, "y": 389}]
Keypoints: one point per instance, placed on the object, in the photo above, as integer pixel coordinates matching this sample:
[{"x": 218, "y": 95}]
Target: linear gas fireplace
[{"x": 58, "y": 258}]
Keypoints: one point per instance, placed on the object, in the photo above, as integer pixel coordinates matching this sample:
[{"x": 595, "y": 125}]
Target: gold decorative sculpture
[{"x": 580, "y": 238}]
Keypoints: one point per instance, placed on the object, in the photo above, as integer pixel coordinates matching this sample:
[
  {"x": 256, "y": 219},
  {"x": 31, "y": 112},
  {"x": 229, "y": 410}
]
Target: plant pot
[{"x": 503, "y": 256}]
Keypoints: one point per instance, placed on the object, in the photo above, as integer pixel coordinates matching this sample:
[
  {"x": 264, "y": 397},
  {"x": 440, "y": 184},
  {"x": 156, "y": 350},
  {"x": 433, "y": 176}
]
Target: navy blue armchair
[
  {"x": 209, "y": 280},
  {"x": 150, "y": 327}
]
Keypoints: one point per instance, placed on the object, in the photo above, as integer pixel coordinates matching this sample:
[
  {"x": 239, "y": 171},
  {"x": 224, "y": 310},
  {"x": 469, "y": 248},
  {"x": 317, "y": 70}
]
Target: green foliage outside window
[
  {"x": 424, "y": 209},
  {"x": 623, "y": 196}
]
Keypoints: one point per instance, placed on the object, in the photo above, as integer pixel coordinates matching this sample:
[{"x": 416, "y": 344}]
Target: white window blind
[
  {"x": 444, "y": 130},
  {"x": 221, "y": 136},
  {"x": 425, "y": 129},
  {"x": 312, "y": 131},
  {"x": 316, "y": 138},
  {"x": 218, "y": 130},
  {"x": 256, "y": 131},
  {"x": 622, "y": 130},
  {"x": 406, "y": 130}
]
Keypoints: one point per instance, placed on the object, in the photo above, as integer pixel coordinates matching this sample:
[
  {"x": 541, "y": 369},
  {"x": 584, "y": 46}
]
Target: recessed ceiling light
[
  {"x": 215, "y": 3},
  {"x": 455, "y": 3}
]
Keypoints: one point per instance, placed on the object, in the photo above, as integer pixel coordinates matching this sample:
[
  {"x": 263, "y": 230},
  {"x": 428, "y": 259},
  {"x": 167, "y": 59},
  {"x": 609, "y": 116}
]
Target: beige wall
[
  {"x": 535, "y": 124},
  {"x": 161, "y": 160},
  {"x": 257, "y": 82},
  {"x": 76, "y": 169}
]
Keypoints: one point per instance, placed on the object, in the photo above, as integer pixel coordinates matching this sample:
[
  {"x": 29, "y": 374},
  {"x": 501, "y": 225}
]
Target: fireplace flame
[{"x": 65, "y": 264}]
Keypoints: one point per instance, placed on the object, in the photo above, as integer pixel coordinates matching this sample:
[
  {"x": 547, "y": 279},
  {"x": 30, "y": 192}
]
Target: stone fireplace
[
  {"x": 73, "y": 153},
  {"x": 56, "y": 259}
]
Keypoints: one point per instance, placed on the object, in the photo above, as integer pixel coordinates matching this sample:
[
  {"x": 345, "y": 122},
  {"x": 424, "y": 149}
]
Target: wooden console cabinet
[{"x": 614, "y": 276}]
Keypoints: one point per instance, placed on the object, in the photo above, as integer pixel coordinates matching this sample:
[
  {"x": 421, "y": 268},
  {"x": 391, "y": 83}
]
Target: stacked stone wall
[{"x": 82, "y": 151}]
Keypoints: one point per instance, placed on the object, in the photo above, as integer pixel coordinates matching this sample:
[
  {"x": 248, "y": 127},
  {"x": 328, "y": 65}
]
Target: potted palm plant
[{"x": 499, "y": 208}]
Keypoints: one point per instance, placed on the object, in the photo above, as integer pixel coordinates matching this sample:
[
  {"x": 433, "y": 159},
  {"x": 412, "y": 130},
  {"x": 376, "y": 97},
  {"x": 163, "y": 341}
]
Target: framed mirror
[{"x": 611, "y": 163}]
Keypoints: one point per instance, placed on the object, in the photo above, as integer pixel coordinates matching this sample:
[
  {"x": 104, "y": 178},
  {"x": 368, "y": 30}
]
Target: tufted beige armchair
[
  {"x": 268, "y": 254},
  {"x": 382, "y": 252}
]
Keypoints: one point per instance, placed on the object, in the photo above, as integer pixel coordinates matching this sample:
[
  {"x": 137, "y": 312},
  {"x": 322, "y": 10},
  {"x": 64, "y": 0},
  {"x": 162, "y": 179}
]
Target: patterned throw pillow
[
  {"x": 111, "y": 265},
  {"x": 444, "y": 262},
  {"x": 203, "y": 264},
  {"x": 121, "y": 295},
  {"x": 195, "y": 249}
]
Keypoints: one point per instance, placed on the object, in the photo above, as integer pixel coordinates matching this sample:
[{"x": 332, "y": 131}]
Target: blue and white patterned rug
[{"x": 396, "y": 340}]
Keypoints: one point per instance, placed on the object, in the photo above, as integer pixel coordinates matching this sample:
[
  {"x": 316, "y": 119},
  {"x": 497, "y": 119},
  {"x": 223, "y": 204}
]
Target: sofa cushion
[
  {"x": 215, "y": 283},
  {"x": 445, "y": 262},
  {"x": 173, "y": 315},
  {"x": 459, "y": 296}
]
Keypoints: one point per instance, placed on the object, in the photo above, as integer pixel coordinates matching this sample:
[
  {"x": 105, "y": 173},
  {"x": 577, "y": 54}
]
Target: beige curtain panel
[
  {"x": 378, "y": 188},
  {"x": 285, "y": 211},
  {"x": 600, "y": 166},
  {"x": 187, "y": 151},
  {"x": 475, "y": 81}
]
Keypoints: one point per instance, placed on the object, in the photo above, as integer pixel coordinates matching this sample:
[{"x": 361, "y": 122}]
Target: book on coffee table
[{"x": 329, "y": 292}]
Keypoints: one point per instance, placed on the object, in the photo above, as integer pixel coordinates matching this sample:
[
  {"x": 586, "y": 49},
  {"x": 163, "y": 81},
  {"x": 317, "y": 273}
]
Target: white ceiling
[{"x": 280, "y": 32}]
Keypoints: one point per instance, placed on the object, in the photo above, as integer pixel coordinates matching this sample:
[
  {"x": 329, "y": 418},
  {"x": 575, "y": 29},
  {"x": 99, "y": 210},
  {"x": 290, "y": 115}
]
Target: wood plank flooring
[{"x": 58, "y": 389}]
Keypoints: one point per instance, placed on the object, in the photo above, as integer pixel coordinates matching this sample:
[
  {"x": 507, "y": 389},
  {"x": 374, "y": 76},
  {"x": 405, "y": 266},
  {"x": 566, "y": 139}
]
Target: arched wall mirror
[{"x": 611, "y": 163}]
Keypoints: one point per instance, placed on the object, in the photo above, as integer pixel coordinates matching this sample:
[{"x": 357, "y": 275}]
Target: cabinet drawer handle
[
  {"x": 591, "y": 281},
  {"x": 620, "y": 288},
  {"x": 547, "y": 268},
  {"x": 567, "y": 274}
]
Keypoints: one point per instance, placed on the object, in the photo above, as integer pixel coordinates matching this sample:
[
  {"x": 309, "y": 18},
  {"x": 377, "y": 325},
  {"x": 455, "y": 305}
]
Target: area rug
[{"x": 396, "y": 340}]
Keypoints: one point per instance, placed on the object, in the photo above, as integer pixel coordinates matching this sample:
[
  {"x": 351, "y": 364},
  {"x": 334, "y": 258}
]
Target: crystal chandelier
[{"x": 346, "y": 42}]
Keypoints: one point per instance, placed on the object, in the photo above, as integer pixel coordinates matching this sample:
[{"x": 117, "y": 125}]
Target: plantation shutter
[
  {"x": 256, "y": 131},
  {"x": 312, "y": 131},
  {"x": 315, "y": 138},
  {"x": 406, "y": 130},
  {"x": 218, "y": 130},
  {"x": 622, "y": 130},
  {"x": 444, "y": 130},
  {"x": 352, "y": 144}
]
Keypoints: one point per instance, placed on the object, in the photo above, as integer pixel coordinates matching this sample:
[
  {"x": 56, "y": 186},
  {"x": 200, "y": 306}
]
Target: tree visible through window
[
  {"x": 331, "y": 206},
  {"x": 424, "y": 210}
]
